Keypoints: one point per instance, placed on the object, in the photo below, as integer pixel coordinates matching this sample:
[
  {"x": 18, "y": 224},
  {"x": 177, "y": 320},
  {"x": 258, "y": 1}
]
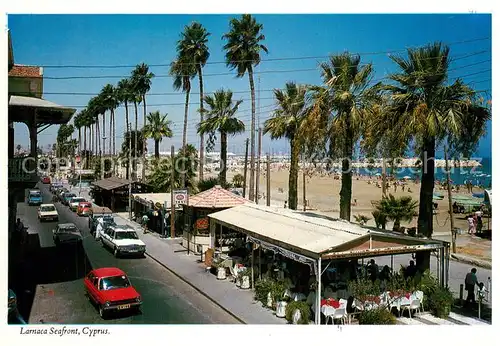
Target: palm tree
[
  {"x": 124, "y": 96},
  {"x": 183, "y": 72},
  {"x": 157, "y": 127},
  {"x": 287, "y": 121},
  {"x": 77, "y": 122},
  {"x": 397, "y": 209},
  {"x": 338, "y": 110},
  {"x": 193, "y": 46},
  {"x": 243, "y": 49},
  {"x": 110, "y": 102},
  {"x": 136, "y": 97},
  {"x": 141, "y": 77},
  {"x": 139, "y": 146},
  {"x": 424, "y": 108},
  {"x": 221, "y": 119}
]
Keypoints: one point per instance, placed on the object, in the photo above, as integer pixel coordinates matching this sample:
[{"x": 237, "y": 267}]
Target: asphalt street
[{"x": 56, "y": 275}]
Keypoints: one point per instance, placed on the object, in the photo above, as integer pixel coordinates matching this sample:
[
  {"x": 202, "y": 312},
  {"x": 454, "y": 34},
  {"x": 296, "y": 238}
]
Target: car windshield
[
  {"x": 69, "y": 195},
  {"x": 126, "y": 235},
  {"x": 78, "y": 200},
  {"x": 114, "y": 282},
  {"x": 68, "y": 229},
  {"x": 48, "y": 208}
]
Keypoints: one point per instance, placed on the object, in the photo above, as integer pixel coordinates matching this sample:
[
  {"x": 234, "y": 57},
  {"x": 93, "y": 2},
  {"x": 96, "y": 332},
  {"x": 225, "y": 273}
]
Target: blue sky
[{"x": 83, "y": 40}]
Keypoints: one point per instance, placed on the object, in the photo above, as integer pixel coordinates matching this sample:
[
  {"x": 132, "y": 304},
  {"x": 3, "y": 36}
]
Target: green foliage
[
  {"x": 130, "y": 136},
  {"x": 262, "y": 289},
  {"x": 440, "y": 301},
  {"x": 208, "y": 183},
  {"x": 364, "y": 287},
  {"x": 278, "y": 291},
  {"x": 376, "y": 317},
  {"x": 238, "y": 180},
  {"x": 303, "y": 307},
  {"x": 380, "y": 218},
  {"x": 361, "y": 219},
  {"x": 397, "y": 208}
]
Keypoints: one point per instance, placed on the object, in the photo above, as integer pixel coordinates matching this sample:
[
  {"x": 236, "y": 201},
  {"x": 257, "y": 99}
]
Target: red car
[
  {"x": 111, "y": 290},
  {"x": 46, "y": 180}
]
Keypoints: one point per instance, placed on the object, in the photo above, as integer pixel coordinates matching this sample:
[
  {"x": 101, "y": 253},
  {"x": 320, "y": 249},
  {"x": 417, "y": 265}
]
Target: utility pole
[
  {"x": 450, "y": 205},
  {"x": 172, "y": 183},
  {"x": 245, "y": 170},
  {"x": 257, "y": 181},
  {"x": 304, "y": 189},
  {"x": 268, "y": 181},
  {"x": 129, "y": 172},
  {"x": 384, "y": 178}
]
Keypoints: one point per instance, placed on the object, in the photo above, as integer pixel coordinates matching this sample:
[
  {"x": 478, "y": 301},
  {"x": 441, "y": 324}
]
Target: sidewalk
[{"x": 171, "y": 255}]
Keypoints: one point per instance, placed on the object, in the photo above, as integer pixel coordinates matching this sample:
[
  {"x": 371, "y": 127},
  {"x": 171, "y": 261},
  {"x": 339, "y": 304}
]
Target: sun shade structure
[
  {"x": 311, "y": 238},
  {"x": 216, "y": 198},
  {"x": 111, "y": 183},
  {"x": 152, "y": 198},
  {"x": 46, "y": 112}
]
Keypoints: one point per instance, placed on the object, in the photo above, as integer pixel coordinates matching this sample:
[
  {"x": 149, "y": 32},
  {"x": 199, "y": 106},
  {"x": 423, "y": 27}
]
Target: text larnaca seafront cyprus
[{"x": 63, "y": 331}]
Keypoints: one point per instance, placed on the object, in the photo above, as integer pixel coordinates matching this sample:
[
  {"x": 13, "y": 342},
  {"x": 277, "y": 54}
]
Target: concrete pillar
[{"x": 11, "y": 140}]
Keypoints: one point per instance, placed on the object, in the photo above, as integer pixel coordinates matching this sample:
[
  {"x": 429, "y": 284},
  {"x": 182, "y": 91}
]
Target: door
[
  {"x": 107, "y": 237},
  {"x": 91, "y": 282}
]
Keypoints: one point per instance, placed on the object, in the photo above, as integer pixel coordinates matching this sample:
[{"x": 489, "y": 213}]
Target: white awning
[
  {"x": 148, "y": 198},
  {"x": 24, "y": 101},
  {"x": 303, "y": 233}
]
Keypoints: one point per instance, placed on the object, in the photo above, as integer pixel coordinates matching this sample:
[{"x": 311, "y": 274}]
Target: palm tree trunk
[
  {"x": 294, "y": 173},
  {"x": 104, "y": 134},
  {"x": 145, "y": 141},
  {"x": 134, "y": 171},
  {"x": 79, "y": 141},
  {"x": 425, "y": 215},
  {"x": 223, "y": 158},
  {"x": 251, "y": 192},
  {"x": 397, "y": 225},
  {"x": 184, "y": 132},
  {"x": 157, "y": 149},
  {"x": 202, "y": 139},
  {"x": 346, "y": 188}
]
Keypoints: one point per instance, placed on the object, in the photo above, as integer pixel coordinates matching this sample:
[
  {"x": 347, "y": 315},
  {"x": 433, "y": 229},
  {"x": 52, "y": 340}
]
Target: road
[{"x": 56, "y": 275}]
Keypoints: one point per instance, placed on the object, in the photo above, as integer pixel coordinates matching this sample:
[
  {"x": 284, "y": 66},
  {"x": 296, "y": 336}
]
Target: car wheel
[{"x": 116, "y": 253}]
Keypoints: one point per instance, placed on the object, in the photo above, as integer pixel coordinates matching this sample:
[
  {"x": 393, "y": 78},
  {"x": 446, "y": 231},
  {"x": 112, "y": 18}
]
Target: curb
[
  {"x": 471, "y": 261},
  {"x": 196, "y": 288}
]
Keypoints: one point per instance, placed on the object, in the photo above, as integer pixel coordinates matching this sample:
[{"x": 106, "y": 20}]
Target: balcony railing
[{"x": 22, "y": 169}]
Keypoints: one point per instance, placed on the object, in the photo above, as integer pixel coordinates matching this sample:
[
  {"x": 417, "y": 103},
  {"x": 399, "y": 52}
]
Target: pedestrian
[
  {"x": 285, "y": 205},
  {"x": 145, "y": 220},
  {"x": 373, "y": 270},
  {"x": 19, "y": 231},
  {"x": 470, "y": 285},
  {"x": 470, "y": 221},
  {"x": 479, "y": 227},
  {"x": 410, "y": 271}
]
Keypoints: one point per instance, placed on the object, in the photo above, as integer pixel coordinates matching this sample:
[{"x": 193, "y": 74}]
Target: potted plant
[
  {"x": 278, "y": 293},
  {"x": 440, "y": 302},
  {"x": 263, "y": 292},
  {"x": 244, "y": 278},
  {"x": 298, "y": 312},
  {"x": 376, "y": 316},
  {"x": 221, "y": 269}
]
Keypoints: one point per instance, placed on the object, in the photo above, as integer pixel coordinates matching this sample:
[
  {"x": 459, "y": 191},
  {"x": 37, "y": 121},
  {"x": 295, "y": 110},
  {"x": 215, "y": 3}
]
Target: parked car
[
  {"x": 98, "y": 212},
  {"x": 66, "y": 233},
  {"x": 73, "y": 202},
  {"x": 123, "y": 240},
  {"x": 47, "y": 212},
  {"x": 111, "y": 290},
  {"x": 46, "y": 180},
  {"x": 66, "y": 197},
  {"x": 54, "y": 186},
  {"x": 84, "y": 209},
  {"x": 34, "y": 197},
  {"x": 13, "y": 313}
]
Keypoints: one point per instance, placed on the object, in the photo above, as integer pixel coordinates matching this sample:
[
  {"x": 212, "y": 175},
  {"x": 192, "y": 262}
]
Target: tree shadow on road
[{"x": 31, "y": 265}]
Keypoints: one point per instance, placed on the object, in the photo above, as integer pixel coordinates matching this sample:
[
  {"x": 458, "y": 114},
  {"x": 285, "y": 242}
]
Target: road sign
[{"x": 180, "y": 196}]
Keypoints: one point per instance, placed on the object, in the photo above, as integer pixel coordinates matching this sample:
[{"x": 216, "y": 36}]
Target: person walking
[
  {"x": 145, "y": 220},
  {"x": 470, "y": 221},
  {"x": 470, "y": 285}
]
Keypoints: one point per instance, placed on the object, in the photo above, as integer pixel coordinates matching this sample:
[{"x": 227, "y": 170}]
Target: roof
[
  {"x": 111, "y": 183},
  {"x": 307, "y": 233},
  {"x": 47, "y": 205},
  {"x": 109, "y": 271},
  {"x": 216, "y": 198},
  {"x": 315, "y": 235},
  {"x": 101, "y": 210},
  {"x": 25, "y": 71},
  {"x": 148, "y": 198},
  {"x": 66, "y": 225},
  {"x": 47, "y": 112},
  {"x": 122, "y": 228}
]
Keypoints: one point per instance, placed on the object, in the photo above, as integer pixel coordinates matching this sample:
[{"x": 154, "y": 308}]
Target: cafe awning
[{"x": 152, "y": 198}]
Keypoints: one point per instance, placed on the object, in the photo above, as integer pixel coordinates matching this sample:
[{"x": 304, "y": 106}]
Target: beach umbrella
[{"x": 378, "y": 174}]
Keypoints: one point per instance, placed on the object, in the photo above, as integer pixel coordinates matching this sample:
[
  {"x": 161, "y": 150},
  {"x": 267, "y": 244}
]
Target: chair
[
  {"x": 414, "y": 305},
  {"x": 420, "y": 296},
  {"x": 343, "y": 303},
  {"x": 233, "y": 274},
  {"x": 404, "y": 304},
  {"x": 395, "y": 303},
  {"x": 339, "y": 314}
]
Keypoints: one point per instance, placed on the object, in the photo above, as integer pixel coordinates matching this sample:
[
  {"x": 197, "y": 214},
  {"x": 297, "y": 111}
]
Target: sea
[{"x": 480, "y": 176}]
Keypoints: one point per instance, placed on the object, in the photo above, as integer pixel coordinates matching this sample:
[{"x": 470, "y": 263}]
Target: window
[
  {"x": 126, "y": 235},
  {"x": 48, "y": 208},
  {"x": 113, "y": 282}
]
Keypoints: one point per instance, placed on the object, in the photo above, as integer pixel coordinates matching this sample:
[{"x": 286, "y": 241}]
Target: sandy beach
[{"x": 322, "y": 192}]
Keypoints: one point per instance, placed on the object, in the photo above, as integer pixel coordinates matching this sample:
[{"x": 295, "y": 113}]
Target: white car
[
  {"x": 47, "y": 212},
  {"x": 123, "y": 240},
  {"x": 73, "y": 202}
]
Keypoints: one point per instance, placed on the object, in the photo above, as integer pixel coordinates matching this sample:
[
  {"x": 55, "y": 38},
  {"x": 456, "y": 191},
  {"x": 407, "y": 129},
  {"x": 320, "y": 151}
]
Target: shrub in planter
[
  {"x": 302, "y": 307},
  {"x": 376, "y": 316},
  {"x": 262, "y": 289},
  {"x": 278, "y": 291},
  {"x": 440, "y": 302}
]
